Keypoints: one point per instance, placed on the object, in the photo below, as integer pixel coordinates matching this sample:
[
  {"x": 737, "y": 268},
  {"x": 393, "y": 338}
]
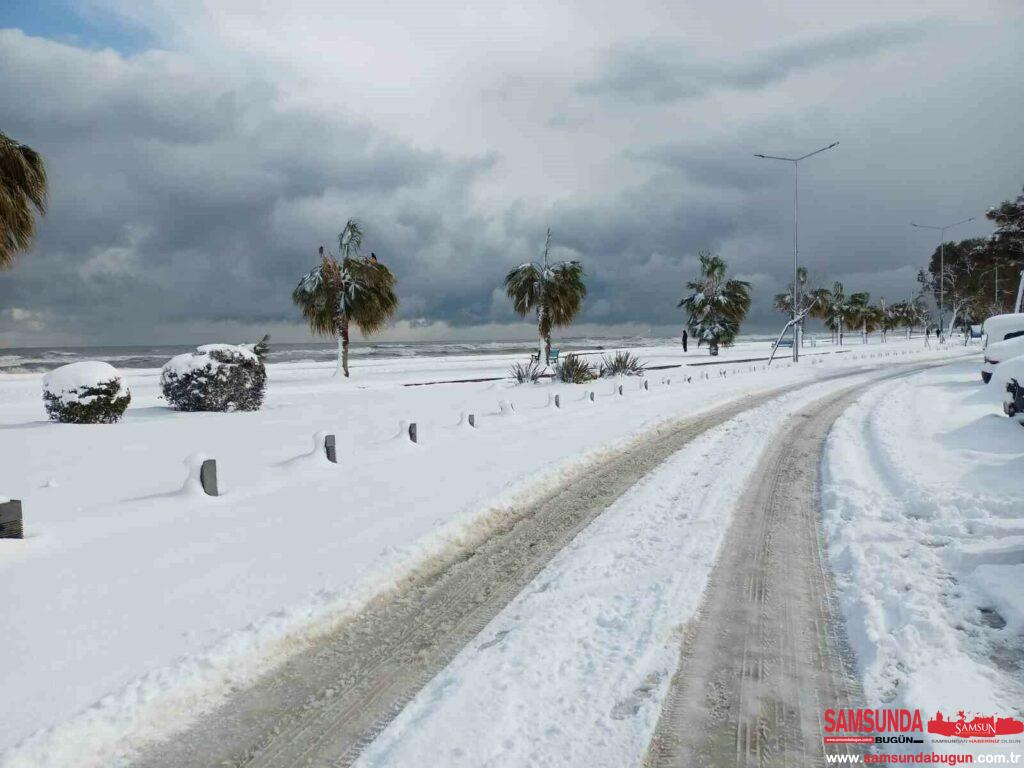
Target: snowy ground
[
  {"x": 574, "y": 670},
  {"x": 132, "y": 603},
  {"x": 924, "y": 514}
]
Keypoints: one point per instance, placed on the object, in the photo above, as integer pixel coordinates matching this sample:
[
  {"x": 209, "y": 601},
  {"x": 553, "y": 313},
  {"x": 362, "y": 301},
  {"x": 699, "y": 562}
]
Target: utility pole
[{"x": 796, "y": 240}]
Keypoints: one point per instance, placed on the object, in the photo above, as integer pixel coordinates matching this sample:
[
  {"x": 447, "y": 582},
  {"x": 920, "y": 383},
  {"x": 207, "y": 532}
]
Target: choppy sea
[{"x": 38, "y": 359}]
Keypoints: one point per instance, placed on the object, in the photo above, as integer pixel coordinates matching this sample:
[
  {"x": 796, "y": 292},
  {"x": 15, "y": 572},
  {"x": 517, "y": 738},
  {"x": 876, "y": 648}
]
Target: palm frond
[{"x": 23, "y": 193}]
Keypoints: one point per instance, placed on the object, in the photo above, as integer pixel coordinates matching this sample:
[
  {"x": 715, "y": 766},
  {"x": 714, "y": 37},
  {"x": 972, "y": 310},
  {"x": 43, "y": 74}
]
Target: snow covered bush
[
  {"x": 216, "y": 377},
  {"x": 85, "y": 393},
  {"x": 575, "y": 370},
  {"x": 621, "y": 364},
  {"x": 526, "y": 373}
]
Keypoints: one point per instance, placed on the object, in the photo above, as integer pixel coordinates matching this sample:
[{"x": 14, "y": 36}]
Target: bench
[{"x": 535, "y": 357}]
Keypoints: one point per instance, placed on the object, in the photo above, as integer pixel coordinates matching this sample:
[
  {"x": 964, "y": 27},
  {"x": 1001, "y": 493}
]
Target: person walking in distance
[{"x": 684, "y": 339}]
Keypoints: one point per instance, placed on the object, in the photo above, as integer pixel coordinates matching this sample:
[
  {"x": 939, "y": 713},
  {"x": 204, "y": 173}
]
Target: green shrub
[
  {"x": 575, "y": 370},
  {"x": 621, "y": 364},
  {"x": 85, "y": 393},
  {"x": 216, "y": 377},
  {"x": 526, "y": 373}
]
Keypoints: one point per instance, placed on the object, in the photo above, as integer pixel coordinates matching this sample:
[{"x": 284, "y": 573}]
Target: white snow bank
[
  {"x": 68, "y": 381},
  {"x": 924, "y": 517}
]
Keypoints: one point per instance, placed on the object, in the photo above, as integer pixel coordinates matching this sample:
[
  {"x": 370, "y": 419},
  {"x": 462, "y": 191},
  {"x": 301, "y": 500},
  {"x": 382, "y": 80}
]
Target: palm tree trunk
[
  {"x": 545, "y": 342},
  {"x": 344, "y": 346},
  {"x": 713, "y": 347}
]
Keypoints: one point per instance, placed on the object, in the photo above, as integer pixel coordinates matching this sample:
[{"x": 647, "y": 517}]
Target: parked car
[
  {"x": 999, "y": 351},
  {"x": 1010, "y": 378},
  {"x": 1002, "y": 327}
]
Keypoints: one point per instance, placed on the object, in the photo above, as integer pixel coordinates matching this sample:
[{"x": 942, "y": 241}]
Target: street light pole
[
  {"x": 796, "y": 235},
  {"x": 942, "y": 260}
]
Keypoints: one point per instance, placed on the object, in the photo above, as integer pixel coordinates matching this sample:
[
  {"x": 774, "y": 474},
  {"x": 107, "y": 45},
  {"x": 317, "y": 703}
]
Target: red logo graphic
[{"x": 975, "y": 728}]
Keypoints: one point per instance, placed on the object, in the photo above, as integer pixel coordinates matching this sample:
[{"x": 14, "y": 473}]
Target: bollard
[
  {"x": 558, "y": 402},
  {"x": 645, "y": 385},
  {"x": 10, "y": 520},
  {"x": 472, "y": 420},
  {"x": 591, "y": 397},
  {"x": 330, "y": 449},
  {"x": 620, "y": 390},
  {"x": 412, "y": 432},
  {"x": 208, "y": 477}
]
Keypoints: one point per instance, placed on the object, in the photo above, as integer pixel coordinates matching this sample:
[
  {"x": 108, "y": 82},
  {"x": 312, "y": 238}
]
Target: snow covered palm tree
[
  {"x": 554, "y": 291},
  {"x": 857, "y": 311},
  {"x": 716, "y": 306},
  {"x": 22, "y": 188},
  {"x": 784, "y": 301},
  {"x": 356, "y": 290},
  {"x": 831, "y": 305}
]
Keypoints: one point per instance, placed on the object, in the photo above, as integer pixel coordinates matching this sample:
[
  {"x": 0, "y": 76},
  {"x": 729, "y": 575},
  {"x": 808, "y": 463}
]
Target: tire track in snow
[
  {"x": 766, "y": 654},
  {"x": 324, "y": 705}
]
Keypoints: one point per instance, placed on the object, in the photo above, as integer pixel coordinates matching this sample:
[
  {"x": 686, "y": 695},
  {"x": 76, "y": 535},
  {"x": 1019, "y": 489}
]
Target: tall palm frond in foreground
[
  {"x": 554, "y": 291},
  {"x": 716, "y": 306},
  {"x": 23, "y": 191},
  {"x": 355, "y": 290}
]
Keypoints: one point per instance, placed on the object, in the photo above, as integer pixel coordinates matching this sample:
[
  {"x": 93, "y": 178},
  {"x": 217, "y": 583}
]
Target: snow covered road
[
  {"x": 324, "y": 705},
  {"x": 574, "y": 670}
]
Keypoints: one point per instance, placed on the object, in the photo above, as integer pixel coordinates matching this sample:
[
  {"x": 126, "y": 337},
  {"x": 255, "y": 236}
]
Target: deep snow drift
[
  {"x": 135, "y": 600},
  {"x": 923, "y": 505}
]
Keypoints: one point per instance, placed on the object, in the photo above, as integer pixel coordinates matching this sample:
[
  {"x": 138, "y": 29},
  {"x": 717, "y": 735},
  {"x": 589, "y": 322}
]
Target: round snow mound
[
  {"x": 216, "y": 377},
  {"x": 90, "y": 392}
]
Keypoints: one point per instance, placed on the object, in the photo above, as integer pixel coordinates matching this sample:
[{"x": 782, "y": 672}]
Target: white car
[
  {"x": 1009, "y": 379},
  {"x": 999, "y": 330},
  {"x": 1001, "y": 350},
  {"x": 1003, "y": 327}
]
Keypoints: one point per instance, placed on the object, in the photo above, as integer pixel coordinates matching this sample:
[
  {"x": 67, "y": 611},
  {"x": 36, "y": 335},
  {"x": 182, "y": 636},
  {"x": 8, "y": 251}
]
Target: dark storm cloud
[
  {"x": 179, "y": 195},
  {"x": 668, "y": 71},
  {"x": 186, "y": 194}
]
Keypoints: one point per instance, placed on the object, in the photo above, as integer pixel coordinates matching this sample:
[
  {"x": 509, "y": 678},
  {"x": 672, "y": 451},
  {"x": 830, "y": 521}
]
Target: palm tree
[
  {"x": 22, "y": 188},
  {"x": 357, "y": 290},
  {"x": 555, "y": 291},
  {"x": 858, "y": 311},
  {"x": 716, "y": 306},
  {"x": 832, "y": 306},
  {"x": 784, "y": 301}
]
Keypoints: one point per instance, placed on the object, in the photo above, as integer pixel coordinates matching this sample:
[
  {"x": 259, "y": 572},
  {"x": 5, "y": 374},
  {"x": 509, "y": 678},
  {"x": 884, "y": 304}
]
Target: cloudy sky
[{"x": 199, "y": 152}]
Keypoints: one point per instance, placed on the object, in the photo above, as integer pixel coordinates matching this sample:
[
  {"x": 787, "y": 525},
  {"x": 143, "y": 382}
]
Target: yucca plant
[
  {"x": 336, "y": 294},
  {"x": 621, "y": 364},
  {"x": 526, "y": 373},
  {"x": 575, "y": 370},
  {"x": 23, "y": 188},
  {"x": 554, "y": 291}
]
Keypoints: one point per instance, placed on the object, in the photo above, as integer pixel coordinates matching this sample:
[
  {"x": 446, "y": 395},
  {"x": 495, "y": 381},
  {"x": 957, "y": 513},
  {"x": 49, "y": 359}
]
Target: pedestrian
[{"x": 684, "y": 339}]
